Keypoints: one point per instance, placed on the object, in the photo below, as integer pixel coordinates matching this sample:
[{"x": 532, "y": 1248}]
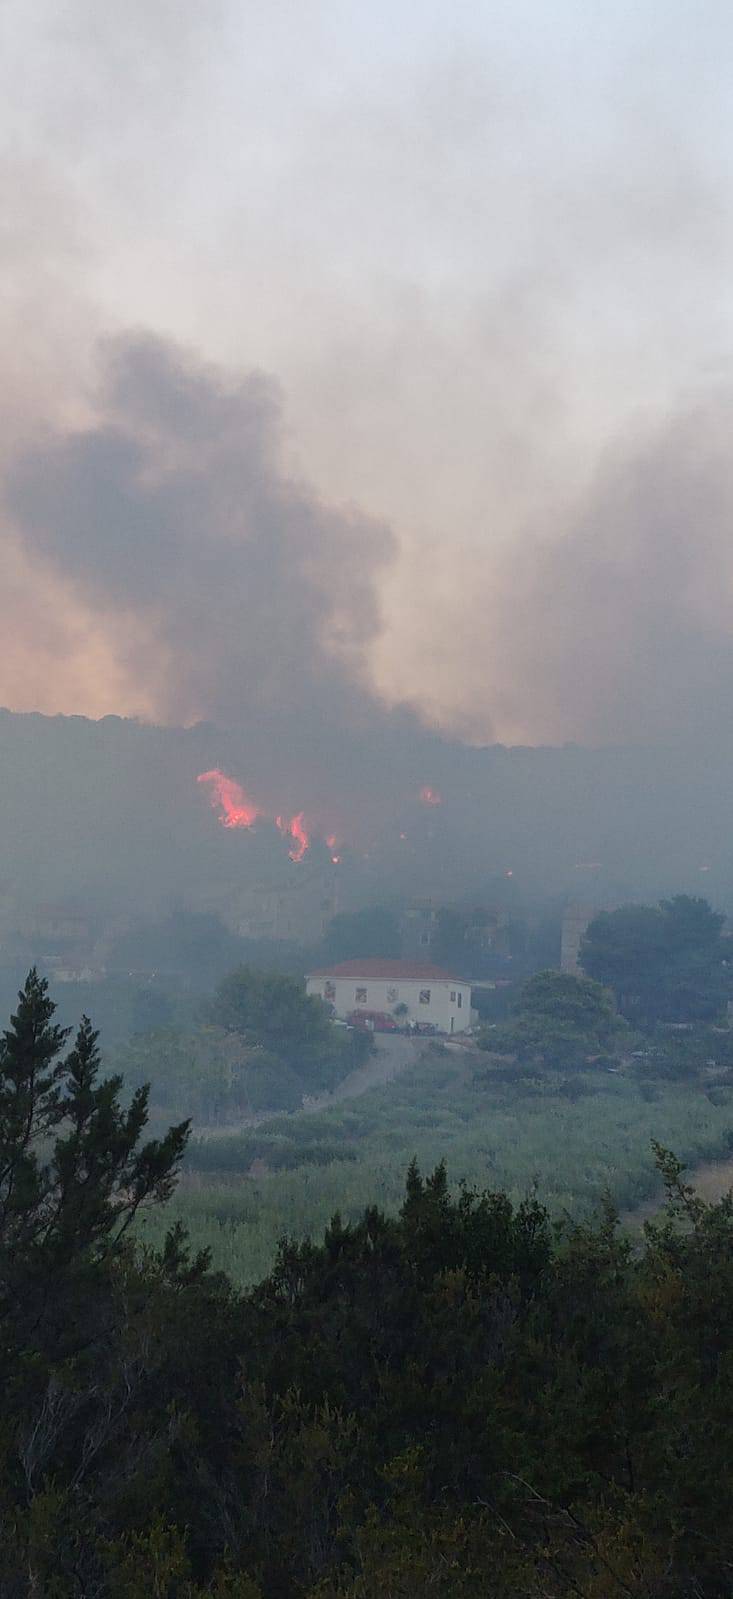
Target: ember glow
[
  {"x": 430, "y": 796},
  {"x": 227, "y": 797}
]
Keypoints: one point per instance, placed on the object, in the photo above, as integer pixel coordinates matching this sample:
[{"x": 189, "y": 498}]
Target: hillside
[{"x": 109, "y": 813}]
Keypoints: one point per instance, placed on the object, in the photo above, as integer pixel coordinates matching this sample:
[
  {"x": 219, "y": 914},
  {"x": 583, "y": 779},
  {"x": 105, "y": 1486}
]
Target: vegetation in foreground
[
  {"x": 459, "y": 1400},
  {"x": 564, "y": 1100},
  {"x": 571, "y": 1135}
]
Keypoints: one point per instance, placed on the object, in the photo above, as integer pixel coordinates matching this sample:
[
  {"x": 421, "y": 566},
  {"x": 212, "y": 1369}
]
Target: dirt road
[{"x": 394, "y": 1054}]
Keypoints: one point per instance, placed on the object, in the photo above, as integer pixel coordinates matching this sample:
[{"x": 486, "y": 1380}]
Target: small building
[{"x": 415, "y": 992}]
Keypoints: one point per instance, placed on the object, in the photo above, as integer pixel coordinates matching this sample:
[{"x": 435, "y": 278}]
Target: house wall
[{"x": 448, "y": 1014}]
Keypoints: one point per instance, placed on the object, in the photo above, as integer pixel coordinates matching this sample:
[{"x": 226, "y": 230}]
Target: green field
[{"x": 570, "y": 1137}]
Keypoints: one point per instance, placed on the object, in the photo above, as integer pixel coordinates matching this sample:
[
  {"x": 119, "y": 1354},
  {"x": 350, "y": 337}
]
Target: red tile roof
[{"x": 386, "y": 970}]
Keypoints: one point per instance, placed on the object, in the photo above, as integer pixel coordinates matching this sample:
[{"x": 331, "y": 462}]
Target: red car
[{"x": 372, "y": 1021}]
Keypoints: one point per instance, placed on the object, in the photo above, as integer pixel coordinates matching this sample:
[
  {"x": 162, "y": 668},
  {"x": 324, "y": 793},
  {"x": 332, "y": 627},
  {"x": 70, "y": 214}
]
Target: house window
[
  {"x": 329, "y": 991},
  {"x": 392, "y": 995},
  {"x": 460, "y": 1000},
  {"x": 424, "y": 996},
  {"x": 424, "y": 938},
  {"x": 360, "y": 996},
  {"x": 453, "y": 996}
]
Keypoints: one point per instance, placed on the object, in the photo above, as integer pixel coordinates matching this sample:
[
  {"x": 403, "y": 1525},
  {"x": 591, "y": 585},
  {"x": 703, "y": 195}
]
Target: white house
[{"x": 428, "y": 994}]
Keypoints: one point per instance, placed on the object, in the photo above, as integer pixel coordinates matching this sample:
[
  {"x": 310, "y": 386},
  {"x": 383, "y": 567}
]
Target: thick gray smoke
[
  {"x": 233, "y": 593},
  {"x": 242, "y": 590},
  {"x": 621, "y": 629},
  {"x": 239, "y": 597}
]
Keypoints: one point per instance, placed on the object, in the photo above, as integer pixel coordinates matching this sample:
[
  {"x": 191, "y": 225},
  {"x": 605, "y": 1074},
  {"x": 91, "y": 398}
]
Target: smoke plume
[
  {"x": 226, "y": 586},
  {"x": 223, "y": 588},
  {"x": 619, "y": 629}
]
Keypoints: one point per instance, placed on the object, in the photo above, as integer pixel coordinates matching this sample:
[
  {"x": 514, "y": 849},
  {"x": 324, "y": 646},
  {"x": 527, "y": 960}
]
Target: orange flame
[
  {"x": 295, "y": 829},
  {"x": 430, "y": 796},
  {"x": 235, "y": 807}
]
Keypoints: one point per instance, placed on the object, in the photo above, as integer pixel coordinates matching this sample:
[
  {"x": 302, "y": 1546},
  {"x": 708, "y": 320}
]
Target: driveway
[{"x": 394, "y": 1054}]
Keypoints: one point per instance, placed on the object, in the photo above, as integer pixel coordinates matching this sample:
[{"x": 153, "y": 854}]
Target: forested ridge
[
  {"x": 464, "y": 1399},
  {"x": 129, "y": 825}
]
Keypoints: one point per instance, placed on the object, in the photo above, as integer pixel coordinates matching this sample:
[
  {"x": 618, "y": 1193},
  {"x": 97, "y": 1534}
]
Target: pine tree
[
  {"x": 30, "y": 1110},
  {"x": 73, "y": 1173}
]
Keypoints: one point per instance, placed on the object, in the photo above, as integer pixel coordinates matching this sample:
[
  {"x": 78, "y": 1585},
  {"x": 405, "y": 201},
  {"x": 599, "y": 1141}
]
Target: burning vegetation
[
  {"x": 227, "y": 797},
  {"x": 236, "y": 809}
]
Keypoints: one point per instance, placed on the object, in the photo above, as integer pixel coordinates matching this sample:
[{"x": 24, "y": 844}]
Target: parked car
[{"x": 372, "y": 1021}]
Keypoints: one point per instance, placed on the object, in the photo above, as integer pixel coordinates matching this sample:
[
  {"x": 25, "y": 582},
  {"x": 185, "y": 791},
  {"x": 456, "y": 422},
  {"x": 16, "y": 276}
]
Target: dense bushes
[
  {"x": 260, "y": 1046},
  {"x": 557, "y": 1020},
  {"x": 459, "y": 1400},
  {"x": 669, "y": 962},
  {"x": 276, "y": 1152},
  {"x": 494, "y": 1127}
]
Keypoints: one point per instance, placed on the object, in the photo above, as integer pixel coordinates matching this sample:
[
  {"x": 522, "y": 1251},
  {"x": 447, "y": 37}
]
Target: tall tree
[
  {"x": 273, "y": 1011},
  {"x": 665, "y": 963},
  {"x": 559, "y": 1019},
  {"x": 73, "y": 1171}
]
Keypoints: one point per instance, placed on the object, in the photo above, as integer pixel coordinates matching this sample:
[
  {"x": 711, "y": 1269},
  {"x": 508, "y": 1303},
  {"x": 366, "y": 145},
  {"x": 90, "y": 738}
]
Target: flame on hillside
[
  {"x": 295, "y": 829},
  {"x": 235, "y": 808},
  {"x": 430, "y": 796}
]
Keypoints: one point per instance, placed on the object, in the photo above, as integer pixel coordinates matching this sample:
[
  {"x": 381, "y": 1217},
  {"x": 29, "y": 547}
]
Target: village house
[{"x": 413, "y": 992}]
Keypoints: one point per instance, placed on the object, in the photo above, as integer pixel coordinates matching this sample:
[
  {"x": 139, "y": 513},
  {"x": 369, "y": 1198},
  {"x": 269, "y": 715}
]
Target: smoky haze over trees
[
  {"x": 109, "y": 815},
  {"x": 365, "y": 462},
  {"x": 231, "y": 590}
]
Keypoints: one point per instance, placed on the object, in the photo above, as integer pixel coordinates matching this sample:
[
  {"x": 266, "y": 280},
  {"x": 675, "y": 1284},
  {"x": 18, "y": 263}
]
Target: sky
[{"x": 369, "y": 355}]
